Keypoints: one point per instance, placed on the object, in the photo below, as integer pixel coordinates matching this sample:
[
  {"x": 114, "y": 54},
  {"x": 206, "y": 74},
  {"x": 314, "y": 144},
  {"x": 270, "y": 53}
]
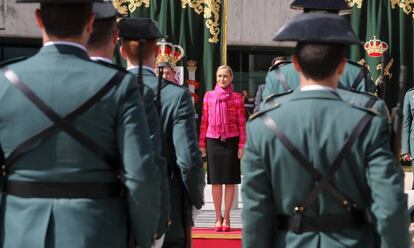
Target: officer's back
[
  {"x": 65, "y": 188},
  {"x": 319, "y": 172},
  {"x": 283, "y": 78}
]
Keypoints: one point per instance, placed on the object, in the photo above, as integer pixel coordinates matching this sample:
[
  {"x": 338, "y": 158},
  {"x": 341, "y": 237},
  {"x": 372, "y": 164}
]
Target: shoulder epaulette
[
  {"x": 271, "y": 97},
  {"x": 273, "y": 105},
  {"x": 12, "y": 60},
  {"x": 114, "y": 66},
  {"x": 278, "y": 65}
]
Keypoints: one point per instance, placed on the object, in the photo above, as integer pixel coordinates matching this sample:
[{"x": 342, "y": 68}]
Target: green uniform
[
  {"x": 64, "y": 77},
  {"x": 154, "y": 125},
  {"x": 285, "y": 78},
  {"x": 407, "y": 136},
  {"x": 275, "y": 182},
  {"x": 180, "y": 148}
]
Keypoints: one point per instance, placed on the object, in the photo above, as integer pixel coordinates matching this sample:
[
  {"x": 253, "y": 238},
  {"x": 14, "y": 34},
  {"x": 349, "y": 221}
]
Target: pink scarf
[{"x": 219, "y": 115}]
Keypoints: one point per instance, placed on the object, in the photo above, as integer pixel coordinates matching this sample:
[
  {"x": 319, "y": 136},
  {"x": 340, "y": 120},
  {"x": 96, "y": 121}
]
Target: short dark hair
[
  {"x": 102, "y": 32},
  {"x": 65, "y": 20},
  {"x": 319, "y": 61}
]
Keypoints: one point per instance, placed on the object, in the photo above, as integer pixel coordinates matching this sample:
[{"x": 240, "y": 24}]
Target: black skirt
[{"x": 223, "y": 165}]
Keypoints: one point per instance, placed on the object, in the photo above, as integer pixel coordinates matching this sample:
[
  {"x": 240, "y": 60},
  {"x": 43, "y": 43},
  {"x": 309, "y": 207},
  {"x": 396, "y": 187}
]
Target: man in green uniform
[
  {"x": 318, "y": 171},
  {"x": 179, "y": 137},
  {"x": 78, "y": 166},
  {"x": 101, "y": 45},
  {"x": 282, "y": 78},
  {"x": 104, "y": 37},
  {"x": 407, "y": 137}
]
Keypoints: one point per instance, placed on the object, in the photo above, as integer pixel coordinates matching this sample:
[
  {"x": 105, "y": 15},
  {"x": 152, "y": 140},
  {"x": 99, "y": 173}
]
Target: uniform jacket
[
  {"x": 180, "y": 149},
  {"x": 273, "y": 85},
  {"x": 407, "y": 137},
  {"x": 154, "y": 126},
  {"x": 236, "y": 119},
  {"x": 274, "y": 181},
  {"x": 64, "y": 77}
]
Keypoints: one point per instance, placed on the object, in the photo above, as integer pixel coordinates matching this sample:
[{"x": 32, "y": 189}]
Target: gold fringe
[{"x": 224, "y": 30}]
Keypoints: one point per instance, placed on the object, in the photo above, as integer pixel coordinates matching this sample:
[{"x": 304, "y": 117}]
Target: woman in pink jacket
[{"x": 222, "y": 138}]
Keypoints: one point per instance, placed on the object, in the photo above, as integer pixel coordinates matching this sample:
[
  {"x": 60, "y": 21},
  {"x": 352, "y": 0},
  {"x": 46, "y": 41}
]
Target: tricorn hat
[
  {"x": 317, "y": 28},
  {"x": 104, "y": 10},
  {"x": 60, "y": 1},
  {"x": 328, "y": 5},
  {"x": 138, "y": 28}
]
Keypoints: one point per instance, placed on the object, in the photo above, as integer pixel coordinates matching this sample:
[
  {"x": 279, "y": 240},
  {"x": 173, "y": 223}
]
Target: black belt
[
  {"x": 64, "y": 189},
  {"x": 325, "y": 223}
]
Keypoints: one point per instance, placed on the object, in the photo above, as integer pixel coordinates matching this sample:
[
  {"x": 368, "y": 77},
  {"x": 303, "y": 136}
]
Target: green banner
[
  {"x": 195, "y": 25},
  {"x": 386, "y": 27}
]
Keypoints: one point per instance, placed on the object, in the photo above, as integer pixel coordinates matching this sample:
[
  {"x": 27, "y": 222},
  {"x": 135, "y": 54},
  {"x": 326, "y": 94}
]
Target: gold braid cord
[
  {"x": 211, "y": 9},
  {"x": 125, "y": 6},
  {"x": 358, "y": 3},
  {"x": 406, "y": 5},
  {"x": 197, "y": 5}
]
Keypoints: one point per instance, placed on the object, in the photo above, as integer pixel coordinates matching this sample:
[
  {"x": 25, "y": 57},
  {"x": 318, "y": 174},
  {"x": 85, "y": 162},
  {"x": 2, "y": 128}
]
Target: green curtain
[
  {"x": 392, "y": 22},
  {"x": 196, "y": 25}
]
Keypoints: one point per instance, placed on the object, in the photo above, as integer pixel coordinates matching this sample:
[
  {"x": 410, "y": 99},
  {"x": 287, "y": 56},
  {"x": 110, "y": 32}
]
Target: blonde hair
[{"x": 225, "y": 67}]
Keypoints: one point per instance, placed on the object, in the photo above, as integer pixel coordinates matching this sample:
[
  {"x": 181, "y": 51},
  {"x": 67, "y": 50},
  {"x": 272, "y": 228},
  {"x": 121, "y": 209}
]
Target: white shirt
[
  {"x": 68, "y": 43},
  {"x": 316, "y": 87},
  {"x": 96, "y": 58}
]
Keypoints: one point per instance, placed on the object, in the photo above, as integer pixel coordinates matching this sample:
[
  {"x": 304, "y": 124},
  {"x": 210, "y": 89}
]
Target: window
[{"x": 250, "y": 65}]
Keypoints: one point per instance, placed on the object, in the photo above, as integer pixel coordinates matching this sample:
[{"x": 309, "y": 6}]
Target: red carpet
[{"x": 207, "y": 238}]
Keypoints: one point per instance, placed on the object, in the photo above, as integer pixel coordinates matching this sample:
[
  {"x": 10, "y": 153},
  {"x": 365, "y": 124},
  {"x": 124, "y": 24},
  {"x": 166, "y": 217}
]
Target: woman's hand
[
  {"x": 203, "y": 152},
  {"x": 240, "y": 153}
]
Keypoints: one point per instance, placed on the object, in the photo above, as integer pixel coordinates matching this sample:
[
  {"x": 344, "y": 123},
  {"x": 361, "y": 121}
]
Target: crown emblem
[
  {"x": 168, "y": 53},
  {"x": 375, "y": 47}
]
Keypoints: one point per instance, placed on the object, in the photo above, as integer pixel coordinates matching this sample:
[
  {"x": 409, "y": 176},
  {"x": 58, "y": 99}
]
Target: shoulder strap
[
  {"x": 358, "y": 79},
  {"x": 114, "y": 66},
  {"x": 326, "y": 180},
  {"x": 371, "y": 101},
  {"x": 271, "y": 124},
  {"x": 59, "y": 122},
  {"x": 328, "y": 186},
  {"x": 282, "y": 80},
  {"x": 163, "y": 84},
  {"x": 11, "y": 61}
]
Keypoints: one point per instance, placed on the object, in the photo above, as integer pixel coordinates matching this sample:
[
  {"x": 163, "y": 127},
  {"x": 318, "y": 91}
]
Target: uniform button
[
  {"x": 345, "y": 202},
  {"x": 4, "y": 173},
  {"x": 169, "y": 222},
  {"x": 3, "y": 167}
]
